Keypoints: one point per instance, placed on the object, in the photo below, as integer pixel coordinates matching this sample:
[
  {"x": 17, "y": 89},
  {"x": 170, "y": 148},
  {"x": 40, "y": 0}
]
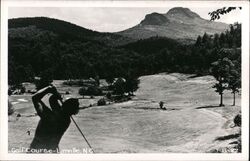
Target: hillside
[
  {"x": 29, "y": 27},
  {"x": 56, "y": 49},
  {"x": 178, "y": 23},
  {"x": 35, "y": 44}
]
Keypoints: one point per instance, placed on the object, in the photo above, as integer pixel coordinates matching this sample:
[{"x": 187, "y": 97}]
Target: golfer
[{"x": 54, "y": 121}]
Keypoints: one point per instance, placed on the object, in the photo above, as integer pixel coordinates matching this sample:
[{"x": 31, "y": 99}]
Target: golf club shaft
[
  {"x": 79, "y": 130},
  {"x": 82, "y": 134}
]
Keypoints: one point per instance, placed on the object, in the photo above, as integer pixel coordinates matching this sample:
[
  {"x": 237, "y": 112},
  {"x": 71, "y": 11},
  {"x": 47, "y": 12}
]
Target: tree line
[{"x": 48, "y": 54}]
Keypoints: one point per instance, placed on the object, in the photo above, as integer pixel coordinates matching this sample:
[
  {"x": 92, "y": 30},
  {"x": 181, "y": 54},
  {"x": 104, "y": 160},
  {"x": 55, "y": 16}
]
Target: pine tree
[
  {"x": 216, "y": 41},
  {"x": 198, "y": 41},
  {"x": 205, "y": 38}
]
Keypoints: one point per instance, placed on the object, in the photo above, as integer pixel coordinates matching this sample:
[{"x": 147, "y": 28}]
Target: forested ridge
[{"x": 60, "y": 50}]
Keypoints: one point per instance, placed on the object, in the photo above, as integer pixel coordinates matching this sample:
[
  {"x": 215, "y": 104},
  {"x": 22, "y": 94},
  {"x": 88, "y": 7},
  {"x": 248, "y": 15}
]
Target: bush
[
  {"x": 82, "y": 91},
  {"x": 161, "y": 104},
  {"x": 16, "y": 89},
  {"x": 10, "y": 108},
  {"x": 119, "y": 86},
  {"x": 108, "y": 95},
  {"x": 92, "y": 91},
  {"x": 95, "y": 91},
  {"x": 72, "y": 82},
  {"x": 101, "y": 102},
  {"x": 22, "y": 89},
  {"x": 121, "y": 98},
  {"x": 237, "y": 120},
  {"x": 131, "y": 85},
  {"x": 81, "y": 82},
  {"x": 9, "y": 92}
]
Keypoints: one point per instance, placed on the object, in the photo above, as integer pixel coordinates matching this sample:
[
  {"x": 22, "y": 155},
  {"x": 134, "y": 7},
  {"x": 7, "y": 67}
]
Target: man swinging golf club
[{"x": 53, "y": 122}]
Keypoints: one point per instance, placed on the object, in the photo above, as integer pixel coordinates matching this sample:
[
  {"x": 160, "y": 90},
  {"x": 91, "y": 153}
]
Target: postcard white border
[{"x": 4, "y": 155}]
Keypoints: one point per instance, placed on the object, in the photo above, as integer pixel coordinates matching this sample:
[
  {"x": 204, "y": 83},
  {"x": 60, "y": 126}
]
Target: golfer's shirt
[{"x": 49, "y": 131}]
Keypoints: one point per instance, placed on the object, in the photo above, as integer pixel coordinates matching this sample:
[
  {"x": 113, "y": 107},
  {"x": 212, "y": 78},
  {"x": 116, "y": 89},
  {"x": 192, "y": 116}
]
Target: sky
[{"x": 107, "y": 19}]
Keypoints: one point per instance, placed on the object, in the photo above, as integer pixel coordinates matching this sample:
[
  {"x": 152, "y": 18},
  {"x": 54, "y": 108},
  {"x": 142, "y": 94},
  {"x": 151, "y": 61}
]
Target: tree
[
  {"x": 234, "y": 78},
  {"x": 198, "y": 41},
  {"x": 221, "y": 11},
  {"x": 234, "y": 82},
  {"x": 216, "y": 41},
  {"x": 235, "y": 74},
  {"x": 205, "y": 38},
  {"x": 19, "y": 74},
  {"x": 131, "y": 85},
  {"x": 45, "y": 79},
  {"x": 97, "y": 80},
  {"x": 119, "y": 86},
  {"x": 109, "y": 80},
  {"x": 221, "y": 71}
]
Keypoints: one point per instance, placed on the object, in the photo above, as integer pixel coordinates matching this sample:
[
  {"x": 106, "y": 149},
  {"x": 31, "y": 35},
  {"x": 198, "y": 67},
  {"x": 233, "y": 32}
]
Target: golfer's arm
[{"x": 37, "y": 99}]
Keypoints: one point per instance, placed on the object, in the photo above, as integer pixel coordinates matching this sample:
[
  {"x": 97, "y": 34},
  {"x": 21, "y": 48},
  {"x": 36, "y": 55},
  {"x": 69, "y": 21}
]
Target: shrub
[
  {"x": 108, "y": 95},
  {"x": 10, "y": 108},
  {"x": 81, "y": 82},
  {"x": 131, "y": 85},
  {"x": 161, "y": 104},
  {"x": 121, "y": 98},
  {"x": 101, "y": 102},
  {"x": 82, "y": 91},
  {"x": 237, "y": 120},
  {"x": 16, "y": 89},
  {"x": 92, "y": 91},
  {"x": 9, "y": 92},
  {"x": 119, "y": 86},
  {"x": 22, "y": 89}
]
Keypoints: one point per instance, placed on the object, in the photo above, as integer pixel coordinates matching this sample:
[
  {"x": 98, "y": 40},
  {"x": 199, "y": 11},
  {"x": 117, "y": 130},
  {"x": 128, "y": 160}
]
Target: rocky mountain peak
[
  {"x": 178, "y": 23},
  {"x": 182, "y": 12},
  {"x": 154, "y": 19}
]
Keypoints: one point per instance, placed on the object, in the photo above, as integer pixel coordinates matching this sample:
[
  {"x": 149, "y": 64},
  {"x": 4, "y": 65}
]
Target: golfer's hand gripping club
[{"x": 54, "y": 91}]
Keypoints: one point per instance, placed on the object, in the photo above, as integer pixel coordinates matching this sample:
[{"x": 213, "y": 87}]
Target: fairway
[{"x": 192, "y": 122}]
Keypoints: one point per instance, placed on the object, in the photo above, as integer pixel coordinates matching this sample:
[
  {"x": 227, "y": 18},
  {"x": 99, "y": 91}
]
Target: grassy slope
[{"x": 191, "y": 124}]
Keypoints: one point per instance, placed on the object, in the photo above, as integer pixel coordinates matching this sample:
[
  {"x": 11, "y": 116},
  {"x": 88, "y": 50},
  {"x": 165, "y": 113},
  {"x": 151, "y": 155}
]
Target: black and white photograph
[{"x": 126, "y": 79}]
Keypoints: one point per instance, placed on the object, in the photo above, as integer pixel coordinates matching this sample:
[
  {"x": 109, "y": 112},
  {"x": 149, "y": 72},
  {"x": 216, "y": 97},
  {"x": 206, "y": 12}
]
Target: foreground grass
[{"x": 192, "y": 122}]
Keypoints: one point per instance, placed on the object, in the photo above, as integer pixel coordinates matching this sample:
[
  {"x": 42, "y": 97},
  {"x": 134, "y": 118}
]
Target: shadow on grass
[
  {"x": 234, "y": 142},
  {"x": 195, "y": 76},
  {"x": 207, "y": 107},
  {"x": 156, "y": 109},
  {"x": 227, "y": 137}
]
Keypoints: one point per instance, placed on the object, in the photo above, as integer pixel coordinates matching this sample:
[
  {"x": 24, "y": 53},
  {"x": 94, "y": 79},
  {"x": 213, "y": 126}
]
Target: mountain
[
  {"x": 178, "y": 23},
  {"x": 35, "y": 26},
  {"x": 41, "y": 46},
  {"x": 55, "y": 49}
]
